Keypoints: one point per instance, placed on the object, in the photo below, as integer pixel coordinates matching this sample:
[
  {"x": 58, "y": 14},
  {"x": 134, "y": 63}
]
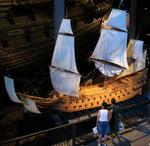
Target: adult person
[
  {"x": 115, "y": 117},
  {"x": 102, "y": 124}
]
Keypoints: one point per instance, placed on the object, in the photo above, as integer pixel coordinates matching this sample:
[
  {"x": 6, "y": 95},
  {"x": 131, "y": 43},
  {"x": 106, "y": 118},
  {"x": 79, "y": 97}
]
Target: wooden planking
[
  {"x": 21, "y": 51},
  {"x": 6, "y": 7},
  {"x": 25, "y": 21},
  {"x": 84, "y": 32},
  {"x": 16, "y": 2},
  {"x": 26, "y": 56},
  {"x": 20, "y": 31},
  {"x": 16, "y": 36}
]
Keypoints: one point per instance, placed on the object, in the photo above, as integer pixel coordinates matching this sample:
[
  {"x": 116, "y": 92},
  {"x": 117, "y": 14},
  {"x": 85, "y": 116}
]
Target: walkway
[{"x": 138, "y": 135}]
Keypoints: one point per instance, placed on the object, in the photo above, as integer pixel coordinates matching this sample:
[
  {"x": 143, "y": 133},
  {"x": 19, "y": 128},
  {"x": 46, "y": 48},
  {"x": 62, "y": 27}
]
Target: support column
[
  {"x": 59, "y": 10},
  {"x": 132, "y": 28}
]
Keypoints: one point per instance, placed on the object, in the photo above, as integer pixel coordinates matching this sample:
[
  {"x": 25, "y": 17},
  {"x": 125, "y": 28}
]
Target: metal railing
[{"x": 66, "y": 135}]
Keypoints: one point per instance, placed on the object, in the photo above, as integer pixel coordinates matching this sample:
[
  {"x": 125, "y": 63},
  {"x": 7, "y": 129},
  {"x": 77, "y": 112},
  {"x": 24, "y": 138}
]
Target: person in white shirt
[{"x": 103, "y": 127}]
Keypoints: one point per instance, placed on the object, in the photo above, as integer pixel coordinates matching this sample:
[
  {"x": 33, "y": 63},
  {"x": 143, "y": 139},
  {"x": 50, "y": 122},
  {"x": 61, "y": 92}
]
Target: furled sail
[
  {"x": 110, "y": 52},
  {"x": 63, "y": 71},
  {"x": 9, "y": 84},
  {"x": 117, "y": 19}
]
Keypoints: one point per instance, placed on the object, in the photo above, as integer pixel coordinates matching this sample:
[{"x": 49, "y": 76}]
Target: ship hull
[{"x": 121, "y": 89}]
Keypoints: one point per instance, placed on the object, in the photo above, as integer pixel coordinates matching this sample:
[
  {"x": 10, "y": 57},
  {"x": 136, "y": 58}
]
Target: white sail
[
  {"x": 144, "y": 62},
  {"x": 65, "y": 26},
  {"x": 138, "y": 57},
  {"x": 128, "y": 71},
  {"x": 65, "y": 82},
  {"x": 64, "y": 55},
  {"x": 63, "y": 71},
  {"x": 138, "y": 54},
  {"x": 110, "y": 52},
  {"x": 117, "y": 19},
  {"x": 9, "y": 84},
  {"x": 30, "y": 105},
  {"x": 106, "y": 69}
]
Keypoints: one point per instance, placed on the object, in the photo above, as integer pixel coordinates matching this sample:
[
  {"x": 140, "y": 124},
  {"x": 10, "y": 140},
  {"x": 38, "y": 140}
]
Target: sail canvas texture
[
  {"x": 138, "y": 54},
  {"x": 107, "y": 69},
  {"x": 109, "y": 57},
  {"x": 135, "y": 53},
  {"x": 117, "y": 19},
  {"x": 9, "y": 84},
  {"x": 144, "y": 62},
  {"x": 65, "y": 26},
  {"x": 30, "y": 105},
  {"x": 64, "y": 55},
  {"x": 128, "y": 71},
  {"x": 63, "y": 71},
  {"x": 65, "y": 82}
]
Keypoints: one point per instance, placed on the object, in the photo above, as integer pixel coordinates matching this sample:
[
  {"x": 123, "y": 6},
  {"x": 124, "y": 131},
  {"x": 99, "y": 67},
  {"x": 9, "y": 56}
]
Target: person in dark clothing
[{"x": 115, "y": 117}]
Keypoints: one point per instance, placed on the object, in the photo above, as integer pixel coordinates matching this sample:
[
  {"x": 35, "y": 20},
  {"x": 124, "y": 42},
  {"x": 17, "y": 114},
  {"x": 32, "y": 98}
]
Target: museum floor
[{"x": 138, "y": 135}]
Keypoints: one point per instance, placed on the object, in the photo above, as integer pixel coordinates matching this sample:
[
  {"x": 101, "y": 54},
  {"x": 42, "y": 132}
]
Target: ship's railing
[{"x": 76, "y": 132}]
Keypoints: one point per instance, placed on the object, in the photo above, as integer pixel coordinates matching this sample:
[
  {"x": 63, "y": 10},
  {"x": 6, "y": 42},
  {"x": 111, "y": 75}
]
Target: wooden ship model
[{"x": 124, "y": 67}]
